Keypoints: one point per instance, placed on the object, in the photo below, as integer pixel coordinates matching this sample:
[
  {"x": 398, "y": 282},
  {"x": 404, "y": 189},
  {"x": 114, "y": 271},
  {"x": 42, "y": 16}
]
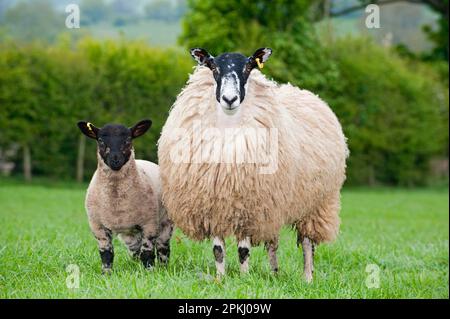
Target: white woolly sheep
[
  {"x": 217, "y": 178},
  {"x": 124, "y": 197}
]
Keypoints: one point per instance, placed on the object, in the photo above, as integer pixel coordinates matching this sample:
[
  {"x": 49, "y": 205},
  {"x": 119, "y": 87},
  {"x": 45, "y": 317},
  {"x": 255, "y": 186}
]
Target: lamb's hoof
[
  {"x": 163, "y": 261},
  {"x": 107, "y": 271},
  {"x": 149, "y": 268}
]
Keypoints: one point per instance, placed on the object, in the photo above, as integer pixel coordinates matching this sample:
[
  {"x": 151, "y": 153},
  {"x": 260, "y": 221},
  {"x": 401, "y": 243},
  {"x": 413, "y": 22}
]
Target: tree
[
  {"x": 32, "y": 20},
  {"x": 392, "y": 112},
  {"x": 283, "y": 25},
  {"x": 94, "y": 11}
]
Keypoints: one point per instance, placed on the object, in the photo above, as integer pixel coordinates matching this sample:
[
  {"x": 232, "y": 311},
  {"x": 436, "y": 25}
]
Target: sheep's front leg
[
  {"x": 148, "y": 247},
  {"x": 244, "y": 254},
  {"x": 272, "y": 247},
  {"x": 219, "y": 255},
  {"x": 105, "y": 247},
  {"x": 163, "y": 242},
  {"x": 308, "y": 247}
]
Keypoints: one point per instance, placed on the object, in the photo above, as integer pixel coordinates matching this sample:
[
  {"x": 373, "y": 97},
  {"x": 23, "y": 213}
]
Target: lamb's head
[
  {"x": 114, "y": 141},
  {"x": 231, "y": 72}
]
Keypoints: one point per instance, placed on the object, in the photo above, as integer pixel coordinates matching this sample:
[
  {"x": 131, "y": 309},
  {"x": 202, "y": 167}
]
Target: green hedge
[
  {"x": 393, "y": 111},
  {"x": 44, "y": 91}
]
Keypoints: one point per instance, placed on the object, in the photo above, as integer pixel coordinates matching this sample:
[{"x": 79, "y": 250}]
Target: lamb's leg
[
  {"x": 272, "y": 247},
  {"x": 133, "y": 243},
  {"x": 105, "y": 247},
  {"x": 163, "y": 242},
  {"x": 219, "y": 255},
  {"x": 308, "y": 247},
  {"x": 244, "y": 254},
  {"x": 149, "y": 236}
]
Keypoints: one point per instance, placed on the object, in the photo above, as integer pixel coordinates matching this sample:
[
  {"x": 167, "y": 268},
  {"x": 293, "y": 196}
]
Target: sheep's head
[
  {"x": 114, "y": 141},
  {"x": 231, "y": 72}
]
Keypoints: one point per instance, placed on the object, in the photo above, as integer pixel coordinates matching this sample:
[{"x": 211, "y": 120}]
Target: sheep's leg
[
  {"x": 133, "y": 243},
  {"x": 272, "y": 247},
  {"x": 163, "y": 242},
  {"x": 244, "y": 254},
  {"x": 105, "y": 247},
  {"x": 219, "y": 255},
  {"x": 308, "y": 247},
  {"x": 148, "y": 247}
]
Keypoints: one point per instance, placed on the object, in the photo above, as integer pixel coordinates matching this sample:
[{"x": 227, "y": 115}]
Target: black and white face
[
  {"x": 114, "y": 141},
  {"x": 231, "y": 72}
]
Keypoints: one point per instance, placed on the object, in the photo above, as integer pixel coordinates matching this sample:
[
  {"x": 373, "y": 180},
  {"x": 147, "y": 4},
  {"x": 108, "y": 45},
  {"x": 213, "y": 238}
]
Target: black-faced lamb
[
  {"x": 242, "y": 155},
  {"x": 124, "y": 197}
]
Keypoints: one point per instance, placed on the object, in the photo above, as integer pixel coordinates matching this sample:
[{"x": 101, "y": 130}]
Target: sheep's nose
[
  {"x": 115, "y": 159},
  {"x": 229, "y": 101}
]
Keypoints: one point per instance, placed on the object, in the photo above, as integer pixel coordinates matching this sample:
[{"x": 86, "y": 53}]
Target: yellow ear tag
[
  {"x": 89, "y": 125},
  {"x": 260, "y": 65}
]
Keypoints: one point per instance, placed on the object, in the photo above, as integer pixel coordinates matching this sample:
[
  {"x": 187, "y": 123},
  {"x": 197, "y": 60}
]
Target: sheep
[
  {"x": 217, "y": 179},
  {"x": 124, "y": 197}
]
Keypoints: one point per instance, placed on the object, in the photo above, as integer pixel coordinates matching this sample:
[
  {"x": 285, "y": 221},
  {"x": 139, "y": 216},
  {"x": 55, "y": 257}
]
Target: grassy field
[{"x": 404, "y": 233}]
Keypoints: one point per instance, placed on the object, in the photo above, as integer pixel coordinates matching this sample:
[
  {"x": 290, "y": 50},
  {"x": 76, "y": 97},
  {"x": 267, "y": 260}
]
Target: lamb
[
  {"x": 217, "y": 179},
  {"x": 124, "y": 197}
]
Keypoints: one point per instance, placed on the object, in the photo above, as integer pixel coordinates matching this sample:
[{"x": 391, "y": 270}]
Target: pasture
[{"x": 393, "y": 244}]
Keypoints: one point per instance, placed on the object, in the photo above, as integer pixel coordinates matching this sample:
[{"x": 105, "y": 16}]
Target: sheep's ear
[
  {"x": 140, "y": 128},
  {"x": 203, "y": 57},
  {"x": 260, "y": 57},
  {"x": 88, "y": 129}
]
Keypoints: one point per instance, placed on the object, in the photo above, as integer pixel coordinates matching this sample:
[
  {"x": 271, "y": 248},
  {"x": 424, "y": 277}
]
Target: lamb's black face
[
  {"x": 114, "y": 141},
  {"x": 231, "y": 72},
  {"x": 114, "y": 145}
]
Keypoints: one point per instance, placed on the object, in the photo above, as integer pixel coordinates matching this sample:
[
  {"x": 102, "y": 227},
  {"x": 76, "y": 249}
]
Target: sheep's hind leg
[
  {"x": 163, "y": 242},
  {"x": 105, "y": 247},
  {"x": 272, "y": 247},
  {"x": 308, "y": 247},
  {"x": 244, "y": 254},
  {"x": 219, "y": 255}
]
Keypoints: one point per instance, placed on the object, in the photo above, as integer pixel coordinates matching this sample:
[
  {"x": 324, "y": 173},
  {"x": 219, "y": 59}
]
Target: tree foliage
[
  {"x": 394, "y": 111},
  {"x": 44, "y": 91}
]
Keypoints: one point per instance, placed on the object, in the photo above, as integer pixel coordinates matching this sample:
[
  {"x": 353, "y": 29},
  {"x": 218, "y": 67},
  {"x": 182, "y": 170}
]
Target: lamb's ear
[
  {"x": 140, "y": 128},
  {"x": 88, "y": 129},
  {"x": 260, "y": 57},
  {"x": 203, "y": 57}
]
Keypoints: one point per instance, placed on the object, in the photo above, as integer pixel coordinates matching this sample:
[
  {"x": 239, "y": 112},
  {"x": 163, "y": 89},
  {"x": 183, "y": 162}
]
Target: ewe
[
  {"x": 124, "y": 197},
  {"x": 224, "y": 183}
]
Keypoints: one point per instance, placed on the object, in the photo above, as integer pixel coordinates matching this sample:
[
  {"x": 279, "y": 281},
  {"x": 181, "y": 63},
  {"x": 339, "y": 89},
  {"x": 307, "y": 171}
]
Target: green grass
[{"x": 404, "y": 232}]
